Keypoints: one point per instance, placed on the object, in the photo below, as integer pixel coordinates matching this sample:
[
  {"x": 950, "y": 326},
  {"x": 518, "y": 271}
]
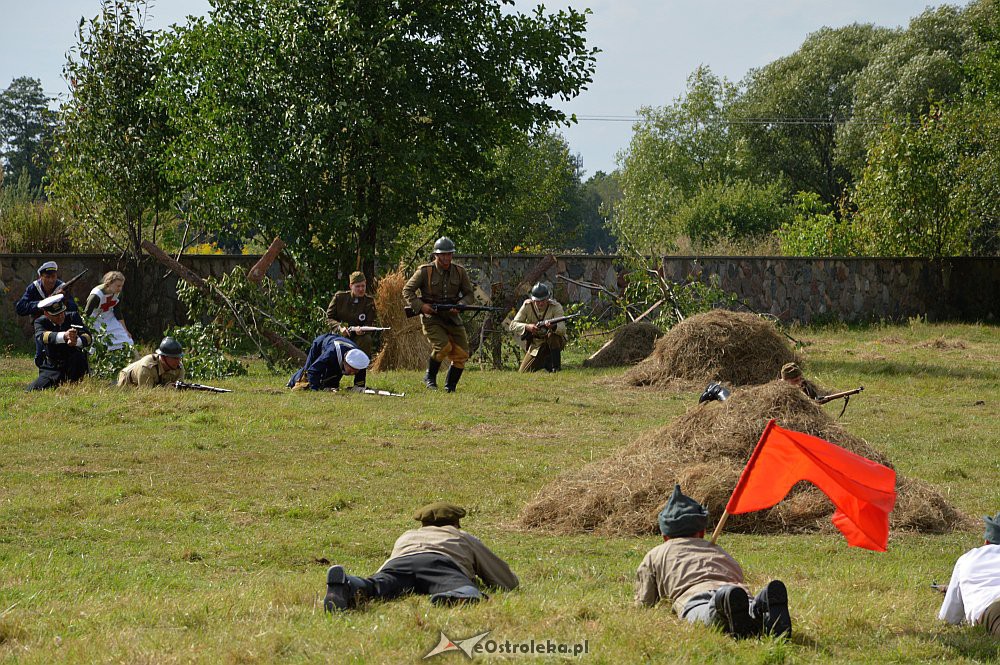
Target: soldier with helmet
[
  {"x": 63, "y": 338},
  {"x": 544, "y": 342},
  {"x": 441, "y": 281},
  {"x": 157, "y": 369},
  {"x": 354, "y": 308}
]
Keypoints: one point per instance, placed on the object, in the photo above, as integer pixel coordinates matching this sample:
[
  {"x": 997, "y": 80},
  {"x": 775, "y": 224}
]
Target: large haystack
[
  {"x": 704, "y": 450},
  {"x": 631, "y": 344},
  {"x": 735, "y": 348},
  {"x": 403, "y": 347}
]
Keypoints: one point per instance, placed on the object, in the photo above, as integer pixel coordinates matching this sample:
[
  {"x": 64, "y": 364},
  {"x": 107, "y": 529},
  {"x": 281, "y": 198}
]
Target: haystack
[
  {"x": 631, "y": 344},
  {"x": 403, "y": 347},
  {"x": 735, "y": 348},
  {"x": 704, "y": 450}
]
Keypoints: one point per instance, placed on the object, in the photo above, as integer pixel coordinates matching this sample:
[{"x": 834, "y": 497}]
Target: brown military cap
[
  {"x": 790, "y": 371},
  {"x": 357, "y": 277},
  {"x": 439, "y": 513}
]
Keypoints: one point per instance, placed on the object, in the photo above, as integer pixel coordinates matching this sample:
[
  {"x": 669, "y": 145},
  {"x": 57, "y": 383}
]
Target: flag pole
[{"x": 739, "y": 484}]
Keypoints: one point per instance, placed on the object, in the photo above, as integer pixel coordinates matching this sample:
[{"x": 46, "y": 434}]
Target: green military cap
[
  {"x": 682, "y": 516},
  {"x": 357, "y": 277},
  {"x": 992, "y": 529},
  {"x": 790, "y": 371},
  {"x": 439, "y": 513}
]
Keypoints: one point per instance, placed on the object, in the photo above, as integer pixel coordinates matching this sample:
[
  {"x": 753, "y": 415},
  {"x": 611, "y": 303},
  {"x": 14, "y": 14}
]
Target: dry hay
[
  {"x": 704, "y": 450},
  {"x": 403, "y": 347},
  {"x": 942, "y": 344},
  {"x": 732, "y": 347},
  {"x": 631, "y": 344}
]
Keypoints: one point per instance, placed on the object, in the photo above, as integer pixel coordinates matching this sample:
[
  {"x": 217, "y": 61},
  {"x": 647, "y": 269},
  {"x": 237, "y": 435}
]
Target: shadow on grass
[
  {"x": 896, "y": 368},
  {"x": 973, "y": 643}
]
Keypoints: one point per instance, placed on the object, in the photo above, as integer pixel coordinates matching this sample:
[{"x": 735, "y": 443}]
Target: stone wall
[{"x": 793, "y": 289}]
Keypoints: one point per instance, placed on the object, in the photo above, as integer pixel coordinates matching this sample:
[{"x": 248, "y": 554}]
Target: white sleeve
[
  {"x": 953, "y": 608},
  {"x": 60, "y": 338}
]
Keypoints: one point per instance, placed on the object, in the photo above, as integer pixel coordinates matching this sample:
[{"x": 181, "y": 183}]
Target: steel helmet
[
  {"x": 170, "y": 348},
  {"x": 444, "y": 245},
  {"x": 540, "y": 291}
]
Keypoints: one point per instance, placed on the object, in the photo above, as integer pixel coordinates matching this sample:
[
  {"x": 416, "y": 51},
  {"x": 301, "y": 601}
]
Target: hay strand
[{"x": 403, "y": 347}]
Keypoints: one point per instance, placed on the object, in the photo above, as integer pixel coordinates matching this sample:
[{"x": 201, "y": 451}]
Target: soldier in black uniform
[
  {"x": 354, "y": 308},
  {"x": 64, "y": 338}
]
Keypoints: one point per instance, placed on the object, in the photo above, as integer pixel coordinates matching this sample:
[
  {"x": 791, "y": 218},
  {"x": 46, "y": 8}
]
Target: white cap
[
  {"x": 357, "y": 359},
  {"x": 48, "y": 265},
  {"x": 45, "y": 303}
]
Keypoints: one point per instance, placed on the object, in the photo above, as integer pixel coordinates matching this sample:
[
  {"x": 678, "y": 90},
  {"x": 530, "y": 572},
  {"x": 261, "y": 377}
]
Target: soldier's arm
[
  {"x": 520, "y": 321},
  {"x": 145, "y": 377},
  {"x": 646, "y": 591},
  {"x": 558, "y": 311},
  {"x": 490, "y": 568},
  {"x": 27, "y": 306},
  {"x": 468, "y": 290},
  {"x": 85, "y": 335},
  {"x": 93, "y": 301},
  {"x": 415, "y": 282},
  {"x": 333, "y": 315}
]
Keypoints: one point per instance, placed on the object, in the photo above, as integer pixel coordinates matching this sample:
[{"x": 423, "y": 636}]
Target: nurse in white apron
[{"x": 103, "y": 308}]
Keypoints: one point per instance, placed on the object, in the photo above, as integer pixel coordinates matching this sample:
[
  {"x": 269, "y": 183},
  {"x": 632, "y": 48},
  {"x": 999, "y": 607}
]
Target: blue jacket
[
  {"x": 324, "y": 366},
  {"x": 55, "y": 355},
  {"x": 28, "y": 304}
]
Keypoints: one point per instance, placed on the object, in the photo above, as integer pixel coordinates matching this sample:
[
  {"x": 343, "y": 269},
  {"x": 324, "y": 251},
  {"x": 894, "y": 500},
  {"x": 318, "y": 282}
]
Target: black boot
[
  {"x": 770, "y": 608},
  {"x": 450, "y": 381},
  {"x": 556, "y": 360},
  {"x": 431, "y": 377},
  {"x": 343, "y": 591},
  {"x": 732, "y": 611}
]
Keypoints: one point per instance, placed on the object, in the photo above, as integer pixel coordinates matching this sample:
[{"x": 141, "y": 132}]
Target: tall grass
[{"x": 30, "y": 224}]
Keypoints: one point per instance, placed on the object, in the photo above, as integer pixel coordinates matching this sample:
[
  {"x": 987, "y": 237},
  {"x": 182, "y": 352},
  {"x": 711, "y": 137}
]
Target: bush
[
  {"x": 815, "y": 231},
  {"x": 28, "y": 224},
  {"x": 105, "y": 363},
  {"x": 203, "y": 357},
  {"x": 733, "y": 210}
]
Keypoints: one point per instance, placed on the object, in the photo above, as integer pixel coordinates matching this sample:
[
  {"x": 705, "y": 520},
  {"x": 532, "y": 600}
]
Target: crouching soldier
[
  {"x": 157, "y": 369},
  {"x": 329, "y": 360},
  {"x": 545, "y": 342},
  {"x": 439, "y": 559},
  {"x": 702, "y": 582},
  {"x": 63, "y": 338}
]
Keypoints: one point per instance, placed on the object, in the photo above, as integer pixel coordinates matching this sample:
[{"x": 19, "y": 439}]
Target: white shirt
[{"x": 974, "y": 586}]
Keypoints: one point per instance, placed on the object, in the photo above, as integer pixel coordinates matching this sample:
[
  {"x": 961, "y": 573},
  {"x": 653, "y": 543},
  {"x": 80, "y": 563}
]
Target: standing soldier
[
  {"x": 441, "y": 281},
  {"x": 43, "y": 287},
  {"x": 545, "y": 342},
  {"x": 63, "y": 338},
  {"x": 354, "y": 308},
  {"x": 157, "y": 369}
]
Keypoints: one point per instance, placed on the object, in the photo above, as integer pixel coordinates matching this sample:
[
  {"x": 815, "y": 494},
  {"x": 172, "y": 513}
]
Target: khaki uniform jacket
[
  {"x": 346, "y": 310},
  {"x": 439, "y": 286},
  {"x": 530, "y": 314},
  {"x": 147, "y": 371},
  {"x": 681, "y": 568},
  {"x": 468, "y": 552}
]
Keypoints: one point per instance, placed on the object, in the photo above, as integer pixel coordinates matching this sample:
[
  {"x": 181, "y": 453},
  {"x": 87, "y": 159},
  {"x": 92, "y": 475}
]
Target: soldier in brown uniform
[
  {"x": 441, "y": 281},
  {"x": 791, "y": 373},
  {"x": 703, "y": 583},
  {"x": 545, "y": 343},
  {"x": 354, "y": 308},
  {"x": 157, "y": 369},
  {"x": 438, "y": 559}
]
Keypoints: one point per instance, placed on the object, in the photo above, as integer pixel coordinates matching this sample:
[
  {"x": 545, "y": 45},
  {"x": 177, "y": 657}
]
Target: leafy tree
[
  {"x": 733, "y": 210},
  {"x": 338, "y": 124},
  {"x": 596, "y": 201},
  {"x": 108, "y": 159},
  {"x": 815, "y": 231},
  {"x": 26, "y": 126}
]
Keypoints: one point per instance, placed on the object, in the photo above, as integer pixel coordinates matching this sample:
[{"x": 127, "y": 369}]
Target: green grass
[{"x": 161, "y": 526}]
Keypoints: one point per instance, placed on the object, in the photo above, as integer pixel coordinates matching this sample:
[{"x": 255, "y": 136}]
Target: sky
[{"x": 649, "y": 47}]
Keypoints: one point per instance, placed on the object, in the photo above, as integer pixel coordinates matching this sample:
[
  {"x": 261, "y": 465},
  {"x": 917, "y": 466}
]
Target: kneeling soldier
[
  {"x": 545, "y": 342},
  {"x": 157, "y": 369},
  {"x": 62, "y": 337},
  {"x": 700, "y": 579},
  {"x": 439, "y": 559},
  {"x": 354, "y": 308},
  {"x": 330, "y": 359}
]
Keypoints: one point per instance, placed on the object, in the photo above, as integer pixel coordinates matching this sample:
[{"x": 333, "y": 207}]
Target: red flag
[{"x": 863, "y": 491}]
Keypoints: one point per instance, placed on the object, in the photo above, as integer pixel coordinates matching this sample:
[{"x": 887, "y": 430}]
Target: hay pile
[
  {"x": 403, "y": 347},
  {"x": 704, "y": 450},
  {"x": 631, "y": 344},
  {"x": 735, "y": 348}
]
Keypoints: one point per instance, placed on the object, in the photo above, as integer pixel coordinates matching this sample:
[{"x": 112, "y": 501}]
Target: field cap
[
  {"x": 439, "y": 513},
  {"x": 790, "y": 371},
  {"x": 357, "y": 277},
  {"x": 682, "y": 516}
]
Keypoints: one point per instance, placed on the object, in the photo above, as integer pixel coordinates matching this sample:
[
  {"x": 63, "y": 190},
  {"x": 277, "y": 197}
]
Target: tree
[
  {"x": 597, "y": 199},
  {"x": 108, "y": 160},
  {"x": 732, "y": 210},
  {"x": 340, "y": 123},
  {"x": 26, "y": 126}
]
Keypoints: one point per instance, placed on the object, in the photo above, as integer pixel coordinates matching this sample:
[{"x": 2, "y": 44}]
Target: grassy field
[{"x": 161, "y": 527}]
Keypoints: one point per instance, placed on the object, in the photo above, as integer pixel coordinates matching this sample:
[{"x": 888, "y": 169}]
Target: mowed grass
[{"x": 162, "y": 526}]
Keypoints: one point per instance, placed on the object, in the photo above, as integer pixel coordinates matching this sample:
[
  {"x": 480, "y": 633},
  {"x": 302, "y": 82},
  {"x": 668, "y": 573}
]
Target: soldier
[
  {"x": 157, "y": 369},
  {"x": 791, "y": 373},
  {"x": 973, "y": 594},
  {"x": 545, "y": 343},
  {"x": 330, "y": 358},
  {"x": 63, "y": 338},
  {"x": 441, "y": 281},
  {"x": 438, "y": 559},
  {"x": 43, "y": 287},
  {"x": 354, "y": 308},
  {"x": 702, "y": 582}
]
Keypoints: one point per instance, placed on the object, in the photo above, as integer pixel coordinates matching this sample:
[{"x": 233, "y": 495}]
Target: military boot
[
  {"x": 343, "y": 591},
  {"x": 451, "y": 381},
  {"x": 431, "y": 377}
]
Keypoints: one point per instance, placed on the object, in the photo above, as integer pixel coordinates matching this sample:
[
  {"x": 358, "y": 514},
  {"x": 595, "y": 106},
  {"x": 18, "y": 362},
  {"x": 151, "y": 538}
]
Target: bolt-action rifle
[
  {"x": 846, "y": 394},
  {"x": 441, "y": 307},
  {"x": 354, "y": 330},
  {"x": 549, "y": 323},
  {"x": 62, "y": 288},
  {"x": 181, "y": 385},
  {"x": 367, "y": 391}
]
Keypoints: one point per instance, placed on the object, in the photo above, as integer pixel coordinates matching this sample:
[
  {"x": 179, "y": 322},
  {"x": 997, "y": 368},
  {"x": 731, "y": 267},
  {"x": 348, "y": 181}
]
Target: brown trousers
[
  {"x": 991, "y": 619},
  {"x": 448, "y": 341},
  {"x": 536, "y": 363}
]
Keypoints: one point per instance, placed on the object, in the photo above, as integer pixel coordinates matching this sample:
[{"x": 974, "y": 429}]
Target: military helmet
[
  {"x": 170, "y": 348},
  {"x": 444, "y": 245},
  {"x": 540, "y": 291}
]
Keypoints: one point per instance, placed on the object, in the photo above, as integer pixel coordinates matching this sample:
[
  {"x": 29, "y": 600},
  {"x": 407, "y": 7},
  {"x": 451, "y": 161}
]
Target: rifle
[
  {"x": 72, "y": 280},
  {"x": 367, "y": 391},
  {"x": 549, "y": 323},
  {"x": 846, "y": 394},
  {"x": 353, "y": 330},
  {"x": 440, "y": 307},
  {"x": 181, "y": 385}
]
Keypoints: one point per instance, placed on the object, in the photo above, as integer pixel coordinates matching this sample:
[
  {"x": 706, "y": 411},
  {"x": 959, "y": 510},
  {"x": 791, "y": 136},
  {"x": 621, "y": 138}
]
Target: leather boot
[
  {"x": 556, "y": 360},
  {"x": 343, "y": 591},
  {"x": 451, "y": 381},
  {"x": 431, "y": 377}
]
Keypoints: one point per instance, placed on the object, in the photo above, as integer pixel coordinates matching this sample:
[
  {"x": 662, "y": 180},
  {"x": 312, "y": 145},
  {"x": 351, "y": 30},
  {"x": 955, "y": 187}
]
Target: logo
[{"x": 466, "y": 646}]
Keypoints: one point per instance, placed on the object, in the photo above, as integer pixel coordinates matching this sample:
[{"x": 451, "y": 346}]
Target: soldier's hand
[
  {"x": 531, "y": 328},
  {"x": 344, "y": 331},
  {"x": 426, "y": 309},
  {"x": 72, "y": 336}
]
